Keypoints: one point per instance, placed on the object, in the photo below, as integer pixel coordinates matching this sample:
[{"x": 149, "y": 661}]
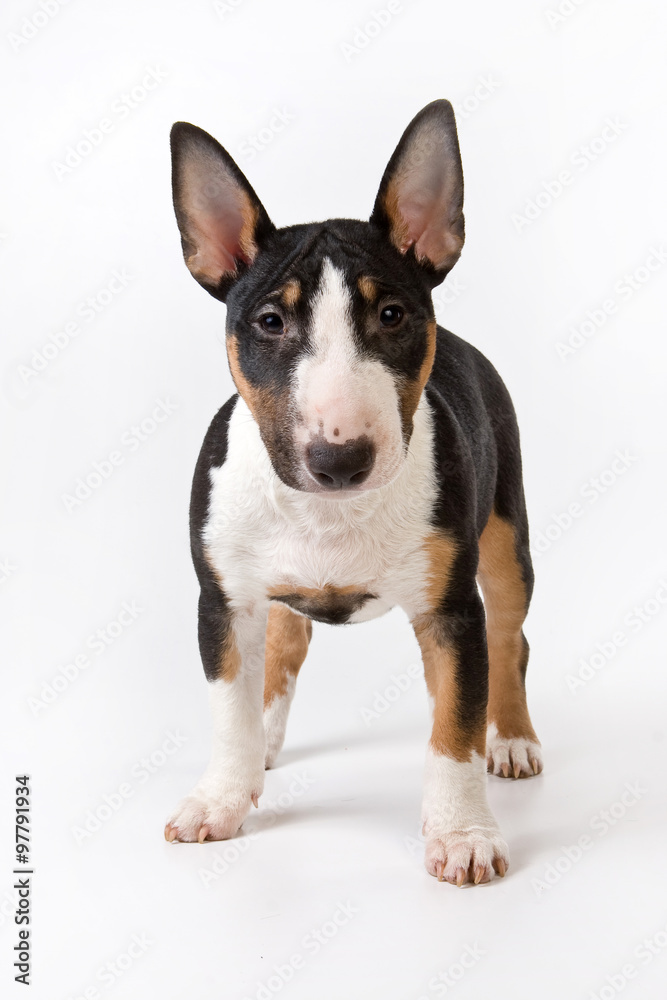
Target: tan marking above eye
[
  {"x": 291, "y": 293},
  {"x": 268, "y": 408},
  {"x": 368, "y": 288}
]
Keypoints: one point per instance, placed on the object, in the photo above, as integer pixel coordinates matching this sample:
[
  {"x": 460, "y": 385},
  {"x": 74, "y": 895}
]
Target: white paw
[
  {"x": 460, "y": 856},
  {"x": 207, "y": 815},
  {"x": 512, "y": 757},
  {"x": 463, "y": 842}
]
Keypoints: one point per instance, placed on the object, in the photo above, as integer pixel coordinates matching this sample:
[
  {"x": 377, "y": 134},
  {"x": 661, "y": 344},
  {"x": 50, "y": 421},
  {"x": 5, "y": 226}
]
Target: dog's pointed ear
[
  {"x": 221, "y": 219},
  {"x": 420, "y": 201}
]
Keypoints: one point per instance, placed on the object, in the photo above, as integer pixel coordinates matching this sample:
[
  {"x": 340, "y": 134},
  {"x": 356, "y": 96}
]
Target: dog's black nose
[{"x": 340, "y": 466}]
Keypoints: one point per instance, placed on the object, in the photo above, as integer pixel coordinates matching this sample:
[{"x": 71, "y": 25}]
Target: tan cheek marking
[
  {"x": 265, "y": 406},
  {"x": 291, "y": 294},
  {"x": 368, "y": 289},
  {"x": 505, "y": 601},
  {"x": 287, "y": 638},
  {"x": 448, "y": 736},
  {"x": 240, "y": 380},
  {"x": 410, "y": 393}
]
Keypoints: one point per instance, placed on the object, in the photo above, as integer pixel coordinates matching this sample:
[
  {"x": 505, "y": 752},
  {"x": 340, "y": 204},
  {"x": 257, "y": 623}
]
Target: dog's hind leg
[
  {"x": 506, "y": 578},
  {"x": 287, "y": 638}
]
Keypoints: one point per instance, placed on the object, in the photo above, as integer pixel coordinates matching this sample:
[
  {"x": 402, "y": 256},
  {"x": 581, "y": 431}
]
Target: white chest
[{"x": 264, "y": 538}]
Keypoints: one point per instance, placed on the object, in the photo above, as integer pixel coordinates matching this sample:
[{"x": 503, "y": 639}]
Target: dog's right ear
[{"x": 221, "y": 219}]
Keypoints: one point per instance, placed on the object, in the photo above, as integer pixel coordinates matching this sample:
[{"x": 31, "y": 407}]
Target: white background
[{"x": 531, "y": 90}]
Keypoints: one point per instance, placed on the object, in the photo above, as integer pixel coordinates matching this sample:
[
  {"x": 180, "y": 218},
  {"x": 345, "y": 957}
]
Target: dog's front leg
[
  {"x": 463, "y": 842},
  {"x": 232, "y": 646}
]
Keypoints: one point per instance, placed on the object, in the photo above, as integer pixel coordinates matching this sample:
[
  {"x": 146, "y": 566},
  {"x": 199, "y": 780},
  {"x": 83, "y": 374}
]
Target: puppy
[{"x": 370, "y": 459}]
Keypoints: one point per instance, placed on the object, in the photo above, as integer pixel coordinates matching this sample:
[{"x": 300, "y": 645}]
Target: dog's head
[{"x": 330, "y": 326}]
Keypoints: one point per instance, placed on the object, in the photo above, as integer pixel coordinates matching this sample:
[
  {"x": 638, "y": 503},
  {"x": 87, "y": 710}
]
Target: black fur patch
[
  {"x": 214, "y": 615},
  {"x": 478, "y": 467},
  {"x": 332, "y": 609}
]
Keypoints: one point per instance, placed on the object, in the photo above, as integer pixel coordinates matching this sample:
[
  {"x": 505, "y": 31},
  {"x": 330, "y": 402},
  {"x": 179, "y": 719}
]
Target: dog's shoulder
[
  {"x": 476, "y": 434},
  {"x": 211, "y": 456}
]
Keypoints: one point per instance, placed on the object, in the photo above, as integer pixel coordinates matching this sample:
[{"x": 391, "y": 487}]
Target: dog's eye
[
  {"x": 271, "y": 323},
  {"x": 391, "y": 316}
]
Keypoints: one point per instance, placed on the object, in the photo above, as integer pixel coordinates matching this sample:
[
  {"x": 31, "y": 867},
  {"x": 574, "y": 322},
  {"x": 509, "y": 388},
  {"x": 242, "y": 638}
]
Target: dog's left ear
[
  {"x": 221, "y": 219},
  {"x": 420, "y": 201}
]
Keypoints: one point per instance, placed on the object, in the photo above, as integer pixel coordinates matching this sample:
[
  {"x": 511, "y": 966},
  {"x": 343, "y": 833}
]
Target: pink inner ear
[
  {"x": 422, "y": 201},
  {"x": 424, "y": 208},
  {"x": 218, "y": 244},
  {"x": 426, "y": 194},
  {"x": 415, "y": 214},
  {"x": 219, "y": 217}
]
